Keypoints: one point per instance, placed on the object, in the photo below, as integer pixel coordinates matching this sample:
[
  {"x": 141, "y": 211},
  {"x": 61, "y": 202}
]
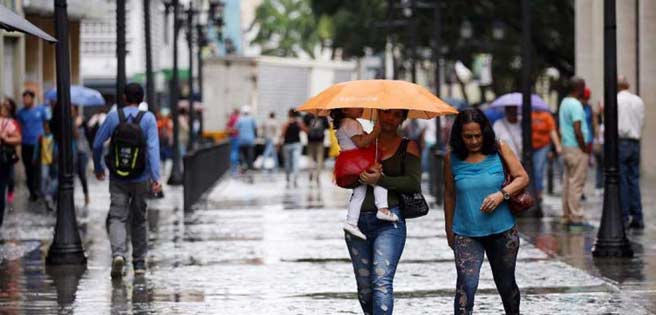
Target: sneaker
[
  {"x": 638, "y": 225},
  {"x": 117, "y": 267},
  {"x": 354, "y": 230},
  {"x": 139, "y": 267},
  {"x": 386, "y": 215}
]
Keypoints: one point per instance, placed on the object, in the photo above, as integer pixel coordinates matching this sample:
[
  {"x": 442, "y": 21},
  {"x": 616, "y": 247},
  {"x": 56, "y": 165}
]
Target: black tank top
[{"x": 293, "y": 133}]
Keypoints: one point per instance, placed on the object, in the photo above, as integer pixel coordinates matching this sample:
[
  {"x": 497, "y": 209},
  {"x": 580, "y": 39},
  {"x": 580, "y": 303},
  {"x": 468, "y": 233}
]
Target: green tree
[
  {"x": 286, "y": 27},
  {"x": 359, "y": 24}
]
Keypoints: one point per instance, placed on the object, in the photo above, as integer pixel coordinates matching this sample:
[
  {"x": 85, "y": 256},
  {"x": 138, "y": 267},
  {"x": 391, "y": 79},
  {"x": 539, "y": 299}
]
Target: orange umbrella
[{"x": 378, "y": 94}]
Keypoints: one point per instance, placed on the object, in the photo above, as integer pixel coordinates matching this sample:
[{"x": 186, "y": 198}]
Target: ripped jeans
[
  {"x": 501, "y": 250},
  {"x": 375, "y": 260}
]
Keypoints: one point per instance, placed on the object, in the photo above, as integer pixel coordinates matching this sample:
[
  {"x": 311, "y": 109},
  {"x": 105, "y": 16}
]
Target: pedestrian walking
[
  {"x": 133, "y": 161},
  {"x": 10, "y": 137},
  {"x": 81, "y": 152},
  {"x": 575, "y": 137},
  {"x": 11, "y": 184},
  {"x": 354, "y": 144},
  {"x": 46, "y": 152},
  {"x": 630, "y": 122},
  {"x": 234, "y": 141},
  {"x": 477, "y": 218},
  {"x": 598, "y": 151},
  {"x": 375, "y": 259},
  {"x": 544, "y": 136},
  {"x": 247, "y": 130},
  {"x": 509, "y": 129},
  {"x": 291, "y": 146},
  {"x": 31, "y": 119},
  {"x": 165, "y": 133},
  {"x": 315, "y": 136},
  {"x": 270, "y": 131}
]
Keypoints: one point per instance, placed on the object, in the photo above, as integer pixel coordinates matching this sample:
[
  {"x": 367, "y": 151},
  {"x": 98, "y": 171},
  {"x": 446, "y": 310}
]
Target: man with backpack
[
  {"x": 316, "y": 151},
  {"x": 133, "y": 162}
]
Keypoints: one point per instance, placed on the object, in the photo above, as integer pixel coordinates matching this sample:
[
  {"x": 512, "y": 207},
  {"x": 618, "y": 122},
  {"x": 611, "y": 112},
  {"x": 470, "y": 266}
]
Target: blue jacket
[{"x": 148, "y": 126}]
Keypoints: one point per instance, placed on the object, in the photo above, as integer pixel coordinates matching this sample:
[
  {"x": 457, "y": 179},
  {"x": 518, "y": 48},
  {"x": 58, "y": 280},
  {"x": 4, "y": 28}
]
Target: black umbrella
[{"x": 14, "y": 22}]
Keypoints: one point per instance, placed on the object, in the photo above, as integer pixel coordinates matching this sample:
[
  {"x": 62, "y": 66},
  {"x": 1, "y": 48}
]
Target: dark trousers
[
  {"x": 4, "y": 180},
  {"x": 247, "y": 156},
  {"x": 31, "y": 169},
  {"x": 81, "y": 168},
  {"x": 501, "y": 250},
  {"x": 629, "y": 160}
]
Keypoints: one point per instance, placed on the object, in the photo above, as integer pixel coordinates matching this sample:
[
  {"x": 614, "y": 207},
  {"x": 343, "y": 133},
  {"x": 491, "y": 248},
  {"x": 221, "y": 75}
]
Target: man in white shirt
[
  {"x": 630, "y": 121},
  {"x": 509, "y": 130}
]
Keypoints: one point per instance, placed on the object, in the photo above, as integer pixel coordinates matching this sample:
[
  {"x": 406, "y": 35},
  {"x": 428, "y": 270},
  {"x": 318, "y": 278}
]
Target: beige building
[
  {"x": 636, "y": 58},
  {"x": 28, "y": 62}
]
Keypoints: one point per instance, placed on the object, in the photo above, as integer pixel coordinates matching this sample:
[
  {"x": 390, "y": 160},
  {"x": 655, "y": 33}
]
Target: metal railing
[{"x": 202, "y": 168}]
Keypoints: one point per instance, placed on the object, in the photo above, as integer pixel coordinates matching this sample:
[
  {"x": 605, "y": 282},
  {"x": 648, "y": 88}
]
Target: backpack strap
[
  {"x": 140, "y": 115},
  {"x": 121, "y": 115}
]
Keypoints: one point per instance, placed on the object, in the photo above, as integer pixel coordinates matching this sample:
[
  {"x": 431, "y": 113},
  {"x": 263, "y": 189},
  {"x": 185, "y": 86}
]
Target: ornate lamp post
[
  {"x": 176, "y": 171},
  {"x": 611, "y": 239},
  {"x": 66, "y": 248}
]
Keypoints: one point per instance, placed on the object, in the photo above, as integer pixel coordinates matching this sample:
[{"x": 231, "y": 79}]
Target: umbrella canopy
[
  {"x": 516, "y": 99},
  {"x": 378, "y": 94},
  {"x": 14, "y": 22},
  {"x": 80, "y": 95}
]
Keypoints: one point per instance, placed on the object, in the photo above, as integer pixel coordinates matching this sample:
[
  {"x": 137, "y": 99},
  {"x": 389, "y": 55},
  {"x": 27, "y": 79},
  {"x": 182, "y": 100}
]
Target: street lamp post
[
  {"x": 120, "y": 52},
  {"x": 150, "y": 81},
  {"x": 202, "y": 42},
  {"x": 190, "y": 82},
  {"x": 176, "y": 170},
  {"x": 527, "y": 143},
  {"x": 66, "y": 248},
  {"x": 611, "y": 238}
]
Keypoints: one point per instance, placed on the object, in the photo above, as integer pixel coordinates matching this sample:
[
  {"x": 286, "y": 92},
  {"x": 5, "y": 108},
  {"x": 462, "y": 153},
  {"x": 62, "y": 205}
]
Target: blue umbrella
[
  {"x": 515, "y": 99},
  {"x": 80, "y": 95}
]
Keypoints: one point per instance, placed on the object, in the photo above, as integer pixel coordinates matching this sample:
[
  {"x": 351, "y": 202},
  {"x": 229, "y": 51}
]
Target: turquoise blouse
[{"x": 474, "y": 182}]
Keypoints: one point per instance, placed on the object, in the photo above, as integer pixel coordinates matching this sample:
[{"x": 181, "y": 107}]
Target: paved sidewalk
[{"x": 258, "y": 248}]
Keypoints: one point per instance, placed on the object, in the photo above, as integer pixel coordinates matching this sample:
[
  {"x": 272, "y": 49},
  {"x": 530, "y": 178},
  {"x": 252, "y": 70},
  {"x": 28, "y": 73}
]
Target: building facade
[{"x": 636, "y": 57}]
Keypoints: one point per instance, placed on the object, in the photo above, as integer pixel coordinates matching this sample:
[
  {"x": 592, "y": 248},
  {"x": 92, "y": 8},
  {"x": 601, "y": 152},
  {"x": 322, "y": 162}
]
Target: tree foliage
[
  {"x": 286, "y": 27},
  {"x": 358, "y": 24}
]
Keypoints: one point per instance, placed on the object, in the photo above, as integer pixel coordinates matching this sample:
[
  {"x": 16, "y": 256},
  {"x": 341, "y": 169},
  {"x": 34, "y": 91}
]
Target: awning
[{"x": 14, "y": 22}]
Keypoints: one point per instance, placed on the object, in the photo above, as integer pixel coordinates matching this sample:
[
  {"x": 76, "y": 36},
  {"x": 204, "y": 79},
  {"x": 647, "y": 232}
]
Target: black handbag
[
  {"x": 413, "y": 205},
  {"x": 8, "y": 154}
]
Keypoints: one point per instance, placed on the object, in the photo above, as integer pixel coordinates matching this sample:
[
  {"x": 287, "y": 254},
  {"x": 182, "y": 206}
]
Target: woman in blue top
[{"x": 478, "y": 220}]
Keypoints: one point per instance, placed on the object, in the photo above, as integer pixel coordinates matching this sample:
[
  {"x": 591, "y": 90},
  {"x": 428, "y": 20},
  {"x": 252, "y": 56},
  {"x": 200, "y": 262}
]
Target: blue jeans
[
  {"x": 234, "y": 154},
  {"x": 375, "y": 260},
  {"x": 292, "y": 155},
  {"x": 501, "y": 250},
  {"x": 270, "y": 152},
  {"x": 539, "y": 167},
  {"x": 629, "y": 160}
]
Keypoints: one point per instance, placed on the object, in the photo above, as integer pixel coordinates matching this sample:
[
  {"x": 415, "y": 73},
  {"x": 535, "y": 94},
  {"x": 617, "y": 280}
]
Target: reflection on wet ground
[{"x": 258, "y": 248}]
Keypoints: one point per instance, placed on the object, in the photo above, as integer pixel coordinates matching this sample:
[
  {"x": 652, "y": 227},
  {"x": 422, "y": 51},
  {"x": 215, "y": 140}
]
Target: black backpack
[
  {"x": 127, "y": 148},
  {"x": 316, "y": 132}
]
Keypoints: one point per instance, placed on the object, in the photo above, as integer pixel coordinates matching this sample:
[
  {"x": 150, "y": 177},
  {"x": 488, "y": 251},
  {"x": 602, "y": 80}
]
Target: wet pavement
[{"x": 255, "y": 247}]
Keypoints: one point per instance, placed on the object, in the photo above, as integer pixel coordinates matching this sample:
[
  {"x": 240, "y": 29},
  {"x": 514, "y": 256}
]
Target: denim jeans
[
  {"x": 270, "y": 152},
  {"x": 49, "y": 180},
  {"x": 629, "y": 160},
  {"x": 501, "y": 250},
  {"x": 292, "y": 155},
  {"x": 234, "y": 154},
  {"x": 375, "y": 260},
  {"x": 599, "y": 176},
  {"x": 539, "y": 167}
]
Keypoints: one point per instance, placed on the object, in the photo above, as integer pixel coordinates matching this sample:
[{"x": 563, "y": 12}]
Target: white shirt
[
  {"x": 270, "y": 129},
  {"x": 347, "y": 129},
  {"x": 630, "y": 115},
  {"x": 510, "y": 133}
]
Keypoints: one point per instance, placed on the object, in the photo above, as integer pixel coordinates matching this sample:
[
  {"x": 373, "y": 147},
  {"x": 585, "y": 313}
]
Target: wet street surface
[{"x": 255, "y": 247}]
